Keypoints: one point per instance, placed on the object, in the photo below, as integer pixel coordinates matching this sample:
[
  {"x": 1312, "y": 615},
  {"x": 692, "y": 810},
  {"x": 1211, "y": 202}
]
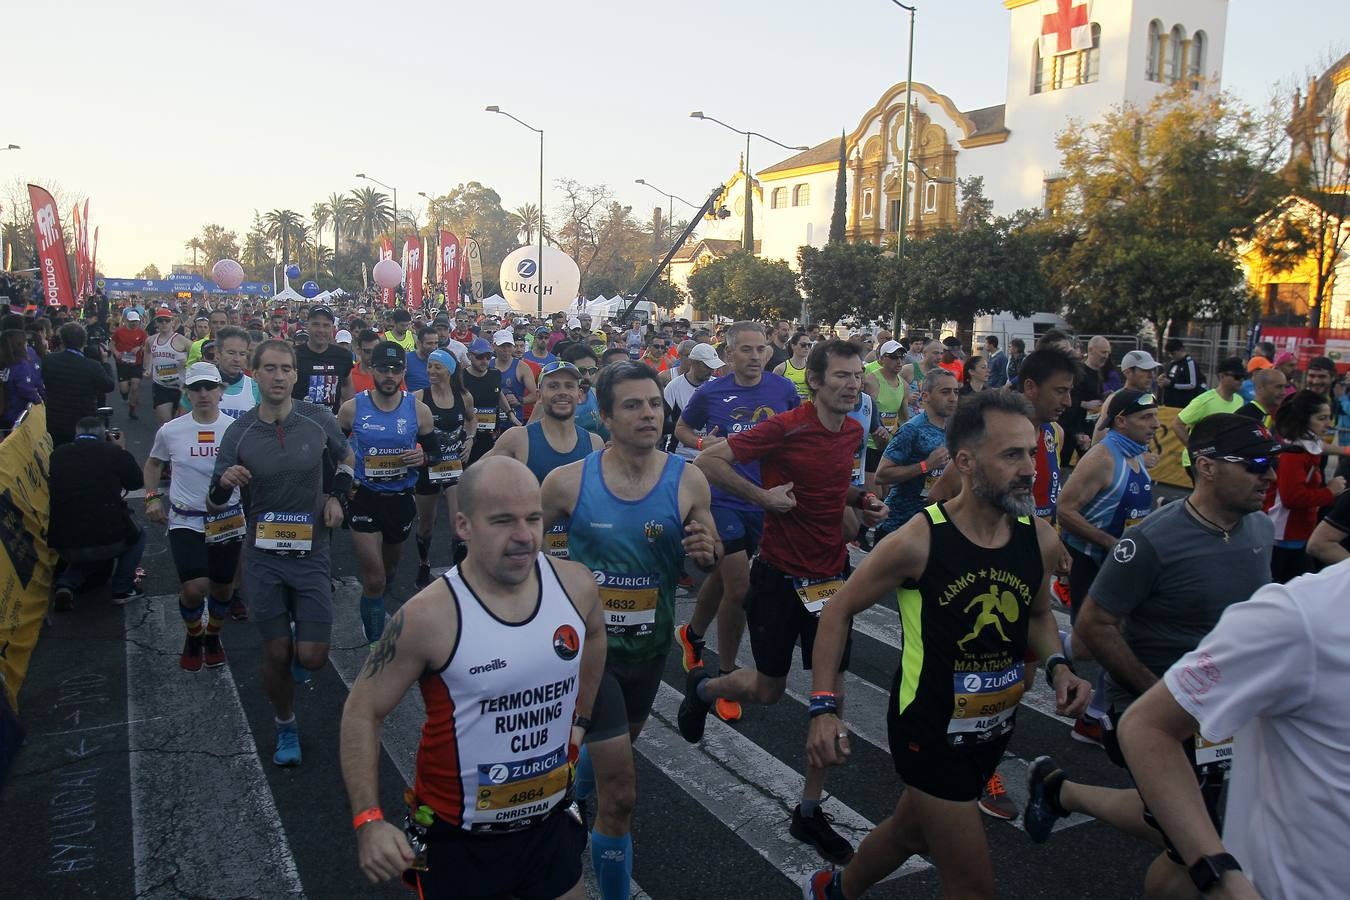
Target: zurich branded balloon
[
  {"x": 519, "y": 278},
  {"x": 227, "y": 274},
  {"x": 309, "y": 289},
  {"x": 292, "y": 271},
  {"x": 387, "y": 273}
]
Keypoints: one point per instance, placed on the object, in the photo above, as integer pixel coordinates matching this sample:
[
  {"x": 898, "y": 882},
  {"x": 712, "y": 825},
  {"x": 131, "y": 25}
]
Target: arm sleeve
[
  {"x": 1126, "y": 578},
  {"x": 1260, "y": 660},
  {"x": 764, "y": 438},
  {"x": 1187, "y": 376}
]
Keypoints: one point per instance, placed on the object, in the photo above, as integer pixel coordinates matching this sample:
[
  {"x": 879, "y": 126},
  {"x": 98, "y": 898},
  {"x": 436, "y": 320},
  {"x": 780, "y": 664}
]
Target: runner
[
  {"x": 914, "y": 373},
  {"x": 361, "y": 377},
  {"x": 450, "y": 406},
  {"x": 794, "y": 367},
  {"x": 484, "y": 382},
  {"x": 973, "y": 581},
  {"x": 205, "y": 546},
  {"x": 215, "y": 321},
  {"x": 128, "y": 342},
  {"x": 554, "y": 441},
  {"x": 323, "y": 370},
  {"x": 505, "y": 627},
  {"x": 278, "y": 450},
  {"x": 702, "y": 362},
  {"x": 803, "y": 559},
  {"x": 917, "y": 456},
  {"x": 399, "y": 332},
  {"x": 734, "y": 403},
  {"x": 240, "y": 391},
  {"x": 201, "y": 333},
  {"x": 887, "y": 389},
  {"x": 635, "y": 513},
  {"x": 165, "y": 365},
  {"x": 391, "y": 433},
  {"x": 1221, "y": 399},
  {"x": 1163, "y": 588},
  {"x": 1139, "y": 371},
  {"x": 518, "y": 383},
  {"x": 427, "y": 341},
  {"x": 1269, "y": 386}
]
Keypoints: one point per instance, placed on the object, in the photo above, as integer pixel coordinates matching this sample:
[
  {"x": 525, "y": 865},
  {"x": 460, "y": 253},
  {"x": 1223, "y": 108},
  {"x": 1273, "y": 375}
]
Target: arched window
[
  {"x": 801, "y": 195},
  {"x": 778, "y": 199},
  {"x": 1090, "y": 60},
  {"x": 930, "y": 197},
  {"x": 1197, "y": 61},
  {"x": 1155, "y": 49},
  {"x": 1176, "y": 55},
  {"x": 867, "y": 204}
]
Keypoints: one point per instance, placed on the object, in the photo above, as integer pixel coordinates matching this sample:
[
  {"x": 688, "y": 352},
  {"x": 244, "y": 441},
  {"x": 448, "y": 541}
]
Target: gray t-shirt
[
  {"x": 287, "y": 463},
  {"x": 1170, "y": 578}
]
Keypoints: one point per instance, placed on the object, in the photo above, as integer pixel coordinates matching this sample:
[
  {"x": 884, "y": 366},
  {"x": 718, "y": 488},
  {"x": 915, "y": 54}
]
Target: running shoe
[
  {"x": 819, "y": 833},
  {"x": 693, "y": 715},
  {"x": 238, "y": 610},
  {"x": 1043, "y": 777},
  {"x": 132, "y": 415},
  {"x": 372, "y": 618},
  {"x": 1087, "y": 730},
  {"x": 288, "y": 745},
  {"x": 727, "y": 710},
  {"x": 423, "y": 576},
  {"x": 191, "y": 658},
  {"x": 822, "y": 884},
  {"x": 691, "y": 655},
  {"x": 215, "y": 654},
  {"x": 122, "y": 599},
  {"x": 995, "y": 802},
  {"x": 63, "y": 597}
]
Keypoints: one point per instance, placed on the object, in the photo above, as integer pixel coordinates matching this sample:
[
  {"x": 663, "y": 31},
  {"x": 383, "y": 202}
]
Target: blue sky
[{"x": 171, "y": 115}]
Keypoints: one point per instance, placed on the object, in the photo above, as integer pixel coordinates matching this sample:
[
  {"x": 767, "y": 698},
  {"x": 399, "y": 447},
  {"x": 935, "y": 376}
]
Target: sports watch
[{"x": 1207, "y": 871}]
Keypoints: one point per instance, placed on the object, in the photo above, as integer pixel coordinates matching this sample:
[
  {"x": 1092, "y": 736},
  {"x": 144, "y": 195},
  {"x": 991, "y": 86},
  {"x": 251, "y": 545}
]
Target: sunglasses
[
  {"x": 1257, "y": 466},
  {"x": 588, "y": 370},
  {"x": 391, "y": 369},
  {"x": 202, "y": 386}
]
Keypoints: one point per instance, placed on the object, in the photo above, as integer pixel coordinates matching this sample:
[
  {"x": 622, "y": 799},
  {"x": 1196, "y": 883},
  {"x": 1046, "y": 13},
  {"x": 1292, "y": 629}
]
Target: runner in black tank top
[
  {"x": 976, "y": 595},
  {"x": 454, "y": 426},
  {"x": 484, "y": 382}
]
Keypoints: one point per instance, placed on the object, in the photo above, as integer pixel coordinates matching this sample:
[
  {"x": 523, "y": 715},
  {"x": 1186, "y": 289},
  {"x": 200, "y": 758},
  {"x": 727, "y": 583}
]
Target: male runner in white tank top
[{"x": 496, "y": 650}]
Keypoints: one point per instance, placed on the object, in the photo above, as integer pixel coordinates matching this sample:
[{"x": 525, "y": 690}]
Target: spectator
[
  {"x": 74, "y": 383},
  {"x": 1300, "y": 492},
  {"x": 1017, "y": 351},
  {"x": 20, "y": 382},
  {"x": 90, "y": 525},
  {"x": 976, "y": 376},
  {"x": 998, "y": 362},
  {"x": 1182, "y": 381}
]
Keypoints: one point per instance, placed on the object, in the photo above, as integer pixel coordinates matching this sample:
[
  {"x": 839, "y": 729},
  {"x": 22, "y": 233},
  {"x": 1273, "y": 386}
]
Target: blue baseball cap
[{"x": 479, "y": 346}]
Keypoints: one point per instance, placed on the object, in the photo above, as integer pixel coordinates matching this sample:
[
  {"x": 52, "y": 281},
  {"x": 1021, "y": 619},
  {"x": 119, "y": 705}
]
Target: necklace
[{"x": 1208, "y": 521}]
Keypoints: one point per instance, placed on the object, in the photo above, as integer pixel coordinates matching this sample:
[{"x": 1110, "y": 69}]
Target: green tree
[
  {"x": 474, "y": 209},
  {"x": 371, "y": 214},
  {"x": 194, "y": 245},
  {"x": 526, "y": 218},
  {"x": 840, "y": 280},
  {"x": 285, "y": 230},
  {"x": 839, "y": 216},
  {"x": 1153, "y": 204},
  {"x": 256, "y": 255},
  {"x": 149, "y": 273},
  {"x": 742, "y": 286},
  {"x": 217, "y": 243}
]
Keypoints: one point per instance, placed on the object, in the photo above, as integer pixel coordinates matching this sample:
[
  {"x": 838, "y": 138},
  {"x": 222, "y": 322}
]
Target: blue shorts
[{"x": 740, "y": 530}]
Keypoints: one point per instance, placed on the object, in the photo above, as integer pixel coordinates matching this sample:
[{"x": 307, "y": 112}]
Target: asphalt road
[{"x": 138, "y": 779}]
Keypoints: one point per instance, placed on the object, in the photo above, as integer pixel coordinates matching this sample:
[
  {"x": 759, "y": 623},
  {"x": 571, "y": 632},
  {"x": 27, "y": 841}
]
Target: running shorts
[
  {"x": 161, "y": 395},
  {"x": 1081, "y": 575},
  {"x": 279, "y": 590},
  {"x": 873, "y": 459},
  {"x": 424, "y": 487},
  {"x": 539, "y": 863},
  {"x": 194, "y": 558},
  {"x": 778, "y": 620},
  {"x": 388, "y": 514},
  {"x": 129, "y": 371},
  {"x": 938, "y": 769},
  {"x": 625, "y": 697},
  {"x": 739, "y": 530}
]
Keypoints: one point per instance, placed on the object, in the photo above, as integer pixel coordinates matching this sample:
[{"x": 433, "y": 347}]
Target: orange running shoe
[
  {"x": 691, "y": 652},
  {"x": 727, "y": 710}
]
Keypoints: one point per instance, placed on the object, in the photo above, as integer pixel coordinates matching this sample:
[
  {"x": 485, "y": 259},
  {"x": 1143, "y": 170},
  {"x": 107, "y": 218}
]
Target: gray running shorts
[{"x": 283, "y": 589}]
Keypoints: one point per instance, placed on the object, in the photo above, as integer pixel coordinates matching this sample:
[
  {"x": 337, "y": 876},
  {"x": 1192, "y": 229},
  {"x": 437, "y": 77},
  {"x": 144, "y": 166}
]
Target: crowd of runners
[{"x": 589, "y": 471}]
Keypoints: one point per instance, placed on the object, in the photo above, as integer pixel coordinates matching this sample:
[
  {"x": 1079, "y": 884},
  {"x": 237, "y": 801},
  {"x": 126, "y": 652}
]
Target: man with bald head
[
  {"x": 508, "y": 670},
  {"x": 1089, "y": 395},
  {"x": 1270, "y": 385}
]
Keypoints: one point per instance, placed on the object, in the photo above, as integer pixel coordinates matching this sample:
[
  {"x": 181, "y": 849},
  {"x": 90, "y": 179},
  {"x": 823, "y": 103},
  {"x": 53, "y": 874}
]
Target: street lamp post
[
  {"x": 747, "y": 232},
  {"x": 539, "y": 263},
  {"x": 904, "y": 166},
  {"x": 11, "y": 147},
  {"x": 671, "y": 198},
  {"x": 395, "y": 192}
]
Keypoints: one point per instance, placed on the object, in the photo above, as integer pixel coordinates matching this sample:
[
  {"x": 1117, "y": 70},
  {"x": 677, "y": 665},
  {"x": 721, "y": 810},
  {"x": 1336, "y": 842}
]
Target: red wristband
[
  {"x": 700, "y": 444},
  {"x": 366, "y": 816},
  {"x": 923, "y": 467}
]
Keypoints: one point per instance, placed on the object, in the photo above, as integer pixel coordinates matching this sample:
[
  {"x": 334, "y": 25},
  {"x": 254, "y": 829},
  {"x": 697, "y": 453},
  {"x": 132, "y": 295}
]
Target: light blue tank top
[
  {"x": 544, "y": 459},
  {"x": 379, "y": 439},
  {"x": 863, "y": 414},
  {"x": 1126, "y": 500}
]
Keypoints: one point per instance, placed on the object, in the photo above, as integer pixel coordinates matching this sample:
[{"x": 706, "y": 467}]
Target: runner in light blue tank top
[
  {"x": 1126, "y": 500},
  {"x": 544, "y": 459},
  {"x": 379, "y": 440}
]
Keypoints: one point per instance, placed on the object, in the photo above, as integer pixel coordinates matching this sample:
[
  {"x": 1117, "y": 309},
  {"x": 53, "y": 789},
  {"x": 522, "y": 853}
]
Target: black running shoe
[
  {"x": 423, "y": 576},
  {"x": 693, "y": 715},
  {"x": 818, "y": 832},
  {"x": 1040, "y": 814}
]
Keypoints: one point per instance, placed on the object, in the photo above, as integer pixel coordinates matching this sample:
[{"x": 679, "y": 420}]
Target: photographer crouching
[{"x": 91, "y": 528}]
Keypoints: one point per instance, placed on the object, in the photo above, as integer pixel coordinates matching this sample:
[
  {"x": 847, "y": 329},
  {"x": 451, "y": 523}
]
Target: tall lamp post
[
  {"x": 747, "y": 232},
  {"x": 904, "y": 166},
  {"x": 539, "y": 263},
  {"x": 394, "y": 190},
  {"x": 671, "y": 198}
]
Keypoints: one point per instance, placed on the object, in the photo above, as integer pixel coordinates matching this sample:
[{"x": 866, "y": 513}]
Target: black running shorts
[
  {"x": 539, "y": 863},
  {"x": 778, "y": 620},
  {"x": 940, "y": 770},
  {"x": 194, "y": 558},
  {"x": 388, "y": 514},
  {"x": 129, "y": 372},
  {"x": 161, "y": 395},
  {"x": 625, "y": 697}
]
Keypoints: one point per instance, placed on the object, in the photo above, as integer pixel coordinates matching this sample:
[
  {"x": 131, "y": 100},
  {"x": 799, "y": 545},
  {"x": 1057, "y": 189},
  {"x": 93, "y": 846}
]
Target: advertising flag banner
[
  {"x": 388, "y": 296},
  {"x": 451, "y": 269},
  {"x": 54, "y": 272},
  {"x": 78, "y": 235},
  {"x": 412, "y": 272},
  {"x": 474, "y": 262},
  {"x": 87, "y": 285}
]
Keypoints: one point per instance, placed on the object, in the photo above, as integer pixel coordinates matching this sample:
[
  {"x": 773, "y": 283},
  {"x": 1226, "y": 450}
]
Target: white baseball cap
[
  {"x": 131, "y": 315},
  {"x": 705, "y": 354},
  {"x": 343, "y": 337},
  {"x": 1138, "y": 359},
  {"x": 889, "y": 347},
  {"x": 503, "y": 337},
  {"x": 201, "y": 371},
  {"x": 573, "y": 322}
]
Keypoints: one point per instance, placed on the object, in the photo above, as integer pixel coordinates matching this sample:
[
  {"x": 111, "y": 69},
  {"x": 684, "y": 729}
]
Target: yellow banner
[
  {"x": 1165, "y": 444},
  {"x": 27, "y": 564}
]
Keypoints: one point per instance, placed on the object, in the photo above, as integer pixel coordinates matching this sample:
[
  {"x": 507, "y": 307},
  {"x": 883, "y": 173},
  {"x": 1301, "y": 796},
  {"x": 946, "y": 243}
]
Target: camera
[{"x": 112, "y": 435}]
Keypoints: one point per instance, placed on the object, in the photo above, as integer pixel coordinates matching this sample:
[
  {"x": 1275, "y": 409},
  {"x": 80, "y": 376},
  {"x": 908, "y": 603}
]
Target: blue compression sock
[
  {"x": 585, "y": 785},
  {"x": 1097, "y": 705},
  {"x": 372, "y": 617},
  {"x": 612, "y": 859}
]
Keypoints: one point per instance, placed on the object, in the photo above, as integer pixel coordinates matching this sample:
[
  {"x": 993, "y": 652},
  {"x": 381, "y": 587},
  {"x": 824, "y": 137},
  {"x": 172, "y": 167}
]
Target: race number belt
[
  {"x": 516, "y": 794},
  {"x": 227, "y": 525},
  {"x": 816, "y": 592},
  {"x": 486, "y": 418},
  {"x": 291, "y": 532},
  {"x": 555, "y": 540},
  {"x": 1209, "y": 753},
  {"x": 629, "y": 602},
  {"x": 983, "y": 704},
  {"x": 447, "y": 471},
  {"x": 930, "y": 480},
  {"x": 128, "y": 356},
  {"x": 385, "y": 464}
]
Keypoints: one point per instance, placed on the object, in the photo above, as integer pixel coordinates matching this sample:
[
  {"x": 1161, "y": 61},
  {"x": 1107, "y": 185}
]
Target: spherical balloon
[
  {"x": 387, "y": 273},
  {"x": 227, "y": 274},
  {"x": 520, "y": 279},
  {"x": 309, "y": 289},
  {"x": 292, "y": 271}
]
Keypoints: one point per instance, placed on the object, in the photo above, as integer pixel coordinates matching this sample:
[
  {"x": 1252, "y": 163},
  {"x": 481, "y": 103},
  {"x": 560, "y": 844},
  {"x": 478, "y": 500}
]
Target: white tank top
[
  {"x": 493, "y": 754},
  {"x": 166, "y": 363}
]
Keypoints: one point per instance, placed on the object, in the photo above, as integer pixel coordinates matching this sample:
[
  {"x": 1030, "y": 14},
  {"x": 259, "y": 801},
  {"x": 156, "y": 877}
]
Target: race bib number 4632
[{"x": 629, "y": 602}]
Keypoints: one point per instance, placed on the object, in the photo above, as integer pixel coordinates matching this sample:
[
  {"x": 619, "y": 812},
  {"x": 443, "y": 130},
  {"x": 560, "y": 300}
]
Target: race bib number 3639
[{"x": 285, "y": 531}]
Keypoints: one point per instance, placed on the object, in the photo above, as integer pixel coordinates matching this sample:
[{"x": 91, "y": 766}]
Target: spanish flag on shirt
[{"x": 206, "y": 437}]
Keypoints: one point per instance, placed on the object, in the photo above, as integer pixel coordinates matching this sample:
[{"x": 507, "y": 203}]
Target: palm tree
[
  {"x": 195, "y": 245},
  {"x": 526, "y": 219},
  {"x": 371, "y": 213},
  {"x": 339, "y": 215},
  {"x": 284, "y": 226},
  {"x": 322, "y": 215},
  {"x": 255, "y": 252}
]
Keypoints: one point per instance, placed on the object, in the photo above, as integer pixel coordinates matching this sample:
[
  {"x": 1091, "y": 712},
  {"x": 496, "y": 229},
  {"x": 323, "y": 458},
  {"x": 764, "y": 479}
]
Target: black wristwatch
[
  {"x": 1207, "y": 871},
  {"x": 582, "y": 722},
  {"x": 1053, "y": 663}
]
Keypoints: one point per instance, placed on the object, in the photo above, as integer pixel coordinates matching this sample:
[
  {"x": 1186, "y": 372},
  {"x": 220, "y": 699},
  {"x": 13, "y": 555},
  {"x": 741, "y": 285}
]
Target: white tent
[{"x": 496, "y": 305}]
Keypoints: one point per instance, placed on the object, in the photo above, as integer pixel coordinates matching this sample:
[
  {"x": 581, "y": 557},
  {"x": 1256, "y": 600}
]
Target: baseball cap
[
  {"x": 559, "y": 365},
  {"x": 201, "y": 372},
  {"x": 163, "y": 313},
  {"x": 889, "y": 347},
  {"x": 1257, "y": 363},
  {"x": 322, "y": 311},
  {"x": 1232, "y": 366},
  {"x": 1232, "y": 438},
  {"x": 441, "y": 320},
  {"x": 503, "y": 337},
  {"x": 1127, "y": 402},
  {"x": 388, "y": 354},
  {"x": 542, "y": 331},
  {"x": 705, "y": 354},
  {"x": 1138, "y": 359},
  {"x": 343, "y": 337},
  {"x": 1282, "y": 358},
  {"x": 131, "y": 315},
  {"x": 573, "y": 322},
  {"x": 479, "y": 346}
]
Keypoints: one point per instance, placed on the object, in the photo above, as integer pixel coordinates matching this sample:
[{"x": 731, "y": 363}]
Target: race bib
[
  {"x": 518, "y": 793},
  {"x": 983, "y": 704},
  {"x": 225, "y": 526},
  {"x": 890, "y": 420},
  {"x": 486, "y": 419},
  {"x": 629, "y": 602},
  {"x": 555, "y": 541},
  {"x": 816, "y": 592},
  {"x": 1209, "y": 753},
  {"x": 930, "y": 481},
  {"x": 127, "y": 356},
  {"x": 167, "y": 372},
  {"x": 857, "y": 476},
  {"x": 385, "y": 464},
  {"x": 293, "y": 532},
  {"x": 447, "y": 471}
]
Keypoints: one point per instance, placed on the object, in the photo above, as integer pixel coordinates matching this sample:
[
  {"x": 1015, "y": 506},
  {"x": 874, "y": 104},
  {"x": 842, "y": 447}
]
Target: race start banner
[{"x": 27, "y": 563}]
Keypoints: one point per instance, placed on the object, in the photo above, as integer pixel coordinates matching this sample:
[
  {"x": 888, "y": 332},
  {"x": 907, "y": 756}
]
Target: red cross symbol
[{"x": 1063, "y": 21}]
